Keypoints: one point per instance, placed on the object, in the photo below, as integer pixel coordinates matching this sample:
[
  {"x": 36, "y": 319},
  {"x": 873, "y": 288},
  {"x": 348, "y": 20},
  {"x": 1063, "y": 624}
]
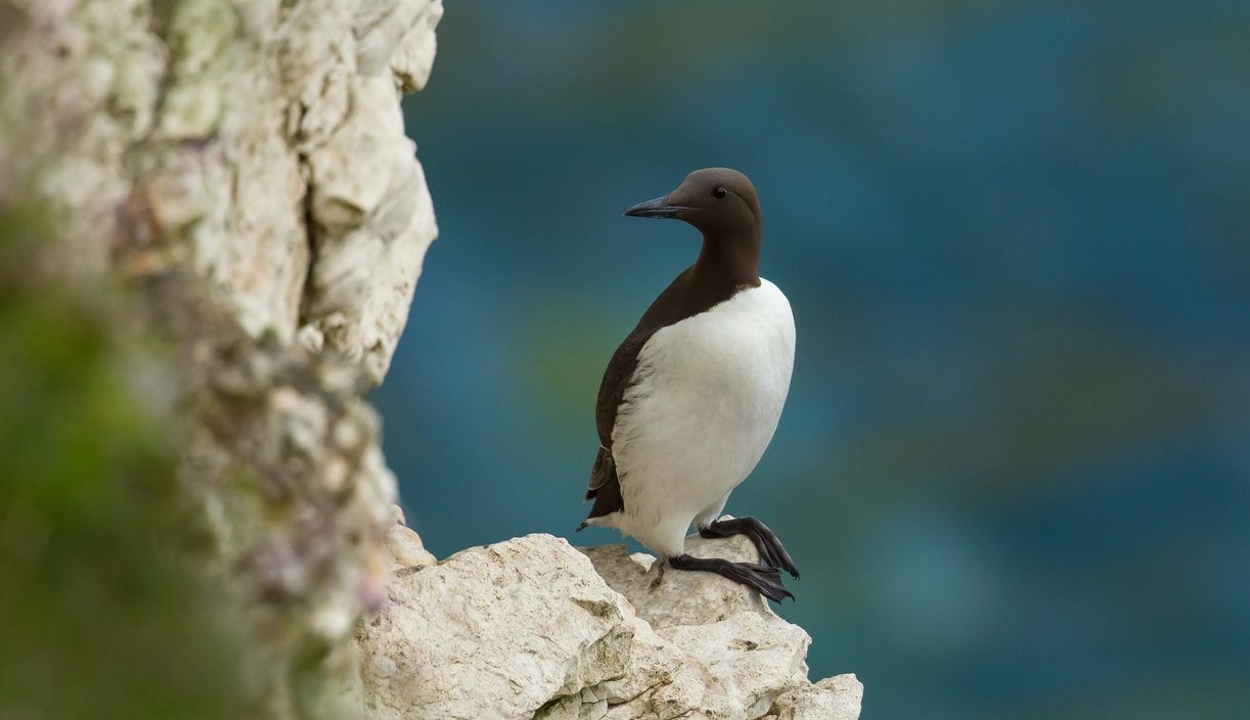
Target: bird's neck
[{"x": 731, "y": 257}]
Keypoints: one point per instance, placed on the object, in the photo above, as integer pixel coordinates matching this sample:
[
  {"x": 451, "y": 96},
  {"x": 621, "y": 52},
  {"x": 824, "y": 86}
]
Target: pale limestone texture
[
  {"x": 404, "y": 548},
  {"x": 241, "y": 167},
  {"x": 258, "y": 143},
  {"x": 534, "y": 628}
]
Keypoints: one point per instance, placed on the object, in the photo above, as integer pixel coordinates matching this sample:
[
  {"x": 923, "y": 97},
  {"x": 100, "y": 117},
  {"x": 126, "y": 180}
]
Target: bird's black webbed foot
[
  {"x": 764, "y": 580},
  {"x": 766, "y": 543}
]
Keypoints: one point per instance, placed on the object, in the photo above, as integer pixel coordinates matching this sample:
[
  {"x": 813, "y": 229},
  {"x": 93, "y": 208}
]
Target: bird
[{"x": 692, "y": 397}]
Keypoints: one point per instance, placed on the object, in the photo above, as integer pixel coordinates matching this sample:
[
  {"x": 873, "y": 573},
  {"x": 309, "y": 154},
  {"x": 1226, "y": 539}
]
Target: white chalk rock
[
  {"x": 834, "y": 698},
  {"x": 528, "y": 628},
  {"x": 676, "y": 600},
  {"x": 404, "y": 548},
  {"x": 374, "y": 221},
  {"x": 748, "y": 656},
  {"x": 501, "y": 632}
]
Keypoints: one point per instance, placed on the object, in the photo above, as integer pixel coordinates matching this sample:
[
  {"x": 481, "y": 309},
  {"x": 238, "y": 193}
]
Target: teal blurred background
[{"x": 1015, "y": 463}]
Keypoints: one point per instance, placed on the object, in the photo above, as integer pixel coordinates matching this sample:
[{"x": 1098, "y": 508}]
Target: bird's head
[{"x": 716, "y": 201}]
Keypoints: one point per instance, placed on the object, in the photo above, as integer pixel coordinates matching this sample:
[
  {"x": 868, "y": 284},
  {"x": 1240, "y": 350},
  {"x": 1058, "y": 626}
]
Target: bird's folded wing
[{"x": 604, "y": 486}]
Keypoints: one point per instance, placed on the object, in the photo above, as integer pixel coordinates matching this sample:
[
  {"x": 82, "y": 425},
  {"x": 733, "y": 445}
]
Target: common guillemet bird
[{"x": 691, "y": 398}]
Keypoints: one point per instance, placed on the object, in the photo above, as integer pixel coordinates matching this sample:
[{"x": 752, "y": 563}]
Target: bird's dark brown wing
[{"x": 604, "y": 487}]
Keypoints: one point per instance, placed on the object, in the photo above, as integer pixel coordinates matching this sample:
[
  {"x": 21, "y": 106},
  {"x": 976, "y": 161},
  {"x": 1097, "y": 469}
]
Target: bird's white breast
[{"x": 705, "y": 401}]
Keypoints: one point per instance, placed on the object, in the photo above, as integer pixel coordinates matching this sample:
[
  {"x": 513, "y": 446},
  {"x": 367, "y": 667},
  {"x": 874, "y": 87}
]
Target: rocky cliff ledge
[
  {"x": 534, "y": 628},
  {"x": 240, "y": 170}
]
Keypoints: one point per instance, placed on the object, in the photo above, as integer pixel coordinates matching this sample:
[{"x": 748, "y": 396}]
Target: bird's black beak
[{"x": 657, "y": 208}]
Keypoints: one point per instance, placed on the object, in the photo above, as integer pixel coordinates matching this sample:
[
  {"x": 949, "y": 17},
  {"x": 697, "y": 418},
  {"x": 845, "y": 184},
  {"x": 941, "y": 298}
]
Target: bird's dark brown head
[
  {"x": 717, "y": 201},
  {"x": 721, "y": 204}
]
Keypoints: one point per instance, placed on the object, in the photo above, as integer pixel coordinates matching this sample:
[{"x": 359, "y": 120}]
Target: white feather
[{"x": 705, "y": 401}]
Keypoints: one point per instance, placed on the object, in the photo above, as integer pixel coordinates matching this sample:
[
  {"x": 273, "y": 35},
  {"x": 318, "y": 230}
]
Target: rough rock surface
[
  {"x": 241, "y": 168},
  {"x": 534, "y": 628},
  {"x": 259, "y": 144}
]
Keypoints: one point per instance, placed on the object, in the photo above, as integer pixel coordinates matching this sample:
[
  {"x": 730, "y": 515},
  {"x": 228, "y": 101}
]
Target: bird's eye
[{"x": 719, "y": 193}]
